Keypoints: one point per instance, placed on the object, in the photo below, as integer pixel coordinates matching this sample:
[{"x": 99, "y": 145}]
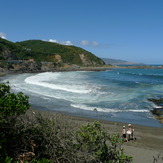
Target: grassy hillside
[
  {"x": 47, "y": 51},
  {"x": 10, "y": 50},
  {"x": 13, "y": 51}
]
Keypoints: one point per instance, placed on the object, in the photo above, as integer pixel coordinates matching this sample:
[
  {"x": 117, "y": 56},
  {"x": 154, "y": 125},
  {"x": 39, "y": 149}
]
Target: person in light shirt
[{"x": 130, "y": 132}]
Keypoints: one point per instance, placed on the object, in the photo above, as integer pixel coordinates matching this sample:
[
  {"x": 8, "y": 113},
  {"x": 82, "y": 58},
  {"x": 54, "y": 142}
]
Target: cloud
[
  {"x": 84, "y": 43},
  {"x": 66, "y": 43},
  {"x": 94, "y": 43},
  {"x": 3, "y": 35},
  {"x": 51, "y": 40},
  {"x": 61, "y": 42},
  {"x": 89, "y": 43}
]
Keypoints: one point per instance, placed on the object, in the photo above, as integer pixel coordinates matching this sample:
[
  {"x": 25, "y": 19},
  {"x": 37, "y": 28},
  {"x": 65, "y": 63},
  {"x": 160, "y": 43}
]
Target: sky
[{"x": 130, "y": 30}]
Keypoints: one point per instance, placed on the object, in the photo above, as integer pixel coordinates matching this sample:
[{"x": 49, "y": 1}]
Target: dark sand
[{"x": 149, "y": 141}]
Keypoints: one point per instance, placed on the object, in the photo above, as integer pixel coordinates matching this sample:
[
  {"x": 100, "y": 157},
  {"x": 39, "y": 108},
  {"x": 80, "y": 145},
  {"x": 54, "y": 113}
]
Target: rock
[
  {"x": 157, "y": 111},
  {"x": 157, "y": 101}
]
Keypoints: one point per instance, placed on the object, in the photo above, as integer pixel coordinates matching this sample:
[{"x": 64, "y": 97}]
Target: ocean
[{"x": 119, "y": 95}]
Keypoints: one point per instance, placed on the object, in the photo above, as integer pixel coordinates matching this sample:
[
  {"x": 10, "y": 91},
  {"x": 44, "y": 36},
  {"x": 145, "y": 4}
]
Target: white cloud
[
  {"x": 89, "y": 43},
  {"x": 3, "y": 35},
  {"x": 84, "y": 42},
  {"x": 51, "y": 40},
  {"x": 61, "y": 42},
  {"x": 94, "y": 43},
  {"x": 69, "y": 43},
  {"x": 66, "y": 43}
]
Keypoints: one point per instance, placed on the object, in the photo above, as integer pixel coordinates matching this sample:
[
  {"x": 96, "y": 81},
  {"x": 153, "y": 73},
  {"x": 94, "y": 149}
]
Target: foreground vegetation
[{"x": 30, "y": 137}]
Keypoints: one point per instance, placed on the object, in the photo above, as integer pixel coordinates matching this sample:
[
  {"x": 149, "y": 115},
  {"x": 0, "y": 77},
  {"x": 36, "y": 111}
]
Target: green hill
[
  {"x": 47, "y": 52},
  {"x": 53, "y": 52},
  {"x": 10, "y": 50}
]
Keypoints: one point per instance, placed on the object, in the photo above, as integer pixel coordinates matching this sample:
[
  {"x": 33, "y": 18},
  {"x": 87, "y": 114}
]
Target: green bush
[
  {"x": 51, "y": 138},
  {"x": 12, "y": 104},
  {"x": 102, "y": 146}
]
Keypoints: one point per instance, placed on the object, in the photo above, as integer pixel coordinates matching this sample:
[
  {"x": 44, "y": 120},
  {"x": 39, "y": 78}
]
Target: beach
[
  {"x": 118, "y": 95},
  {"x": 148, "y": 143},
  {"x": 149, "y": 134}
]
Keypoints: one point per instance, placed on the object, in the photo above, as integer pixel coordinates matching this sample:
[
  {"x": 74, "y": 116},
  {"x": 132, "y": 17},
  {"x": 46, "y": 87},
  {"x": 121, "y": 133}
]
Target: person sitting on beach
[
  {"x": 124, "y": 133},
  {"x": 130, "y": 132}
]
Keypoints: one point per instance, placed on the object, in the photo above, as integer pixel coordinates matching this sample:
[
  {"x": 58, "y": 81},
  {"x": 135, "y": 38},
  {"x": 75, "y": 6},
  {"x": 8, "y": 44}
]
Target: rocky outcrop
[
  {"x": 19, "y": 66},
  {"x": 87, "y": 61},
  {"x": 58, "y": 58},
  {"x": 26, "y": 66},
  {"x": 47, "y": 66},
  {"x": 6, "y": 54},
  {"x": 157, "y": 101},
  {"x": 158, "y": 110}
]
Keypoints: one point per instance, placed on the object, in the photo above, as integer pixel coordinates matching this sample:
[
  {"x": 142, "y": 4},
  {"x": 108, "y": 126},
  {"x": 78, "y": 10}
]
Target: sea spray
[{"x": 118, "y": 95}]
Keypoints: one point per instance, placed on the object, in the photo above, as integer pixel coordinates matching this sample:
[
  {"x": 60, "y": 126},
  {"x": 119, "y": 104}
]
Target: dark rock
[
  {"x": 157, "y": 101},
  {"x": 159, "y": 109}
]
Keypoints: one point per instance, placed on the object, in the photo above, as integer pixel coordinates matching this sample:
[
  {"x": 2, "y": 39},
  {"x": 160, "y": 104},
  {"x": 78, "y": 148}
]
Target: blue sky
[{"x": 120, "y": 29}]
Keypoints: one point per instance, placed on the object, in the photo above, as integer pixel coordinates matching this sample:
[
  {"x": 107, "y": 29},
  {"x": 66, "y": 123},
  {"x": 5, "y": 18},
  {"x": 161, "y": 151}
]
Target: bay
[{"x": 113, "y": 95}]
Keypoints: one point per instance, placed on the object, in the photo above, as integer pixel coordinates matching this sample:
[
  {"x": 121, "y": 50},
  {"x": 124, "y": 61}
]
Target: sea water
[{"x": 113, "y": 95}]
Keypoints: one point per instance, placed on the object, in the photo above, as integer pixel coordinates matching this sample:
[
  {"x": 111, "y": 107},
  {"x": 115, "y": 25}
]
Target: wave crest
[{"x": 107, "y": 110}]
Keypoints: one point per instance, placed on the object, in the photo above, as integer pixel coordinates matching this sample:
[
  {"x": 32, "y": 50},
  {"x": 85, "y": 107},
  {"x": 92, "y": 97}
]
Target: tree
[
  {"x": 11, "y": 106},
  {"x": 51, "y": 139}
]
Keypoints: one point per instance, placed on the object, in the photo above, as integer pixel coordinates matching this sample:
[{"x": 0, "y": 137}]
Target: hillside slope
[
  {"x": 53, "y": 52},
  {"x": 10, "y": 50},
  {"x": 44, "y": 51}
]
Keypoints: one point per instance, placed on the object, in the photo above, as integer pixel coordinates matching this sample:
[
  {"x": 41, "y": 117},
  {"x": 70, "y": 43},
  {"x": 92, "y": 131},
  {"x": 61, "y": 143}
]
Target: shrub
[
  {"x": 103, "y": 147},
  {"x": 11, "y": 106},
  {"x": 41, "y": 139}
]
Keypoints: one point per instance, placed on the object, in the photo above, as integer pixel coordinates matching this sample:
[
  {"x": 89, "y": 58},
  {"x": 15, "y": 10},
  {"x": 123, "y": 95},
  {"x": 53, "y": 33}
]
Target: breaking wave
[
  {"x": 117, "y": 92},
  {"x": 107, "y": 110}
]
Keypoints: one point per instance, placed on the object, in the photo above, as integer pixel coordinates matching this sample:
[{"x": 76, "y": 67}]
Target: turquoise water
[{"x": 118, "y": 95}]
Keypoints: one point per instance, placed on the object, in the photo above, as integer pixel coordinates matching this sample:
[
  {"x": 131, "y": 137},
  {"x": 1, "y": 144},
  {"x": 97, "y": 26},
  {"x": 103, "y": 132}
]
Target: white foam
[
  {"x": 44, "y": 95},
  {"x": 47, "y": 76},
  {"x": 156, "y": 106},
  {"x": 138, "y": 111},
  {"x": 43, "y": 79},
  {"x": 107, "y": 110}
]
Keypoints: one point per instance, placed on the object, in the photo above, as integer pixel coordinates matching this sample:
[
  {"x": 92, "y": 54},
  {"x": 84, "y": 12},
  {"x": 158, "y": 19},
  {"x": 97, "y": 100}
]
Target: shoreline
[
  {"x": 160, "y": 125},
  {"x": 90, "y": 68},
  {"x": 150, "y": 132},
  {"x": 149, "y": 142}
]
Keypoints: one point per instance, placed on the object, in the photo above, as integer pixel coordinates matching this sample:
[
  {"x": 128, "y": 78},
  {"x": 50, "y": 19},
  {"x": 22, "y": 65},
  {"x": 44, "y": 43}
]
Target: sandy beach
[{"x": 149, "y": 142}]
